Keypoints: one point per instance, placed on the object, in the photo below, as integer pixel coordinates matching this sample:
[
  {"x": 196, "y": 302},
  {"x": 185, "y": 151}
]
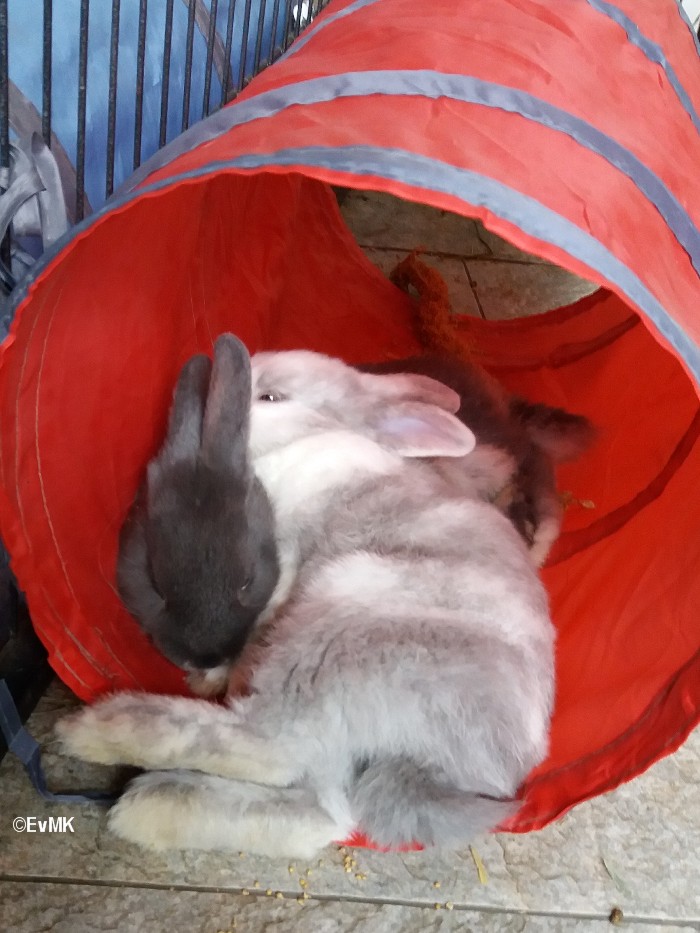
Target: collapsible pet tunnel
[{"x": 569, "y": 127}]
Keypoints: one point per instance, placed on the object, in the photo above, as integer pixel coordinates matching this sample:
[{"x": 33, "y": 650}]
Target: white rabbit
[{"x": 404, "y": 684}]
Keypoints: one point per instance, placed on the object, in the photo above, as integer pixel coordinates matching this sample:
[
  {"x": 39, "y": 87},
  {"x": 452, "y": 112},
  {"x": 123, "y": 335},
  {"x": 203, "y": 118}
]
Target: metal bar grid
[
  {"x": 189, "y": 48},
  {"x": 238, "y": 56},
  {"x": 47, "y": 58},
  {"x": 244, "y": 46},
  {"x": 211, "y": 37},
  {"x": 288, "y": 24},
  {"x": 297, "y": 24},
  {"x": 112, "y": 98},
  {"x": 165, "y": 88},
  {"x": 275, "y": 50},
  {"x": 4, "y": 88},
  {"x": 259, "y": 37},
  {"x": 82, "y": 107},
  {"x": 5, "y": 252},
  {"x": 226, "y": 80},
  {"x": 140, "y": 71}
]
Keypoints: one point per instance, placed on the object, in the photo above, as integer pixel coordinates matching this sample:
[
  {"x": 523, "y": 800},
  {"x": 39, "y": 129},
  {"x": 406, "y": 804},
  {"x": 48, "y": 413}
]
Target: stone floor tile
[
  {"x": 648, "y": 833},
  {"x": 76, "y": 908},
  {"x": 505, "y": 281},
  {"x": 508, "y": 289},
  {"x": 452, "y": 270},
  {"x": 391, "y": 223},
  {"x": 502, "y": 249}
]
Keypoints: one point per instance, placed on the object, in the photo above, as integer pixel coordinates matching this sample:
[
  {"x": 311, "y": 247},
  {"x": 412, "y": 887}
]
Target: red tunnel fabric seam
[{"x": 569, "y": 353}]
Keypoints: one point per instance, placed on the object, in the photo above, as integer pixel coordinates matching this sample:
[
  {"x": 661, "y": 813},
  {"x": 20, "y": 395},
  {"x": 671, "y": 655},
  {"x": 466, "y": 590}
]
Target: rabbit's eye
[
  {"x": 271, "y": 397},
  {"x": 242, "y": 592},
  {"x": 152, "y": 580}
]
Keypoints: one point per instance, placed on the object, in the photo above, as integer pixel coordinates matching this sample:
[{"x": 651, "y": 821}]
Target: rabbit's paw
[
  {"x": 190, "y": 810},
  {"x": 154, "y": 813},
  {"x": 123, "y": 729},
  {"x": 209, "y": 683}
]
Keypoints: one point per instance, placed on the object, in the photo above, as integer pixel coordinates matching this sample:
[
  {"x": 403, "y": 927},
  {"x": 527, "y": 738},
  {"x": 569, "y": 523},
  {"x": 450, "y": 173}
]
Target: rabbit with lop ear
[
  {"x": 405, "y": 686},
  {"x": 518, "y": 445},
  {"x": 197, "y": 557}
]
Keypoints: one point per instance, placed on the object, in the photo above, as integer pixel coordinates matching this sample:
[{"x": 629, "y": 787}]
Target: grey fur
[
  {"x": 435, "y": 812},
  {"x": 404, "y": 683},
  {"x": 197, "y": 557}
]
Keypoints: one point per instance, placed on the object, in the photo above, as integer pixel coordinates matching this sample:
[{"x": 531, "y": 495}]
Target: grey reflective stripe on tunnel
[
  {"x": 433, "y": 85},
  {"x": 652, "y": 51},
  {"x": 533, "y": 218}
]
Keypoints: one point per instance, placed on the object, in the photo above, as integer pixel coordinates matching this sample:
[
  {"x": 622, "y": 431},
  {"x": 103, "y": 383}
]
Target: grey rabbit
[
  {"x": 197, "y": 559},
  {"x": 534, "y": 437},
  {"x": 404, "y": 684}
]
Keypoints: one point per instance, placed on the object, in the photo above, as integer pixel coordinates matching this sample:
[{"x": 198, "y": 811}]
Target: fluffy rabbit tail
[{"x": 397, "y": 803}]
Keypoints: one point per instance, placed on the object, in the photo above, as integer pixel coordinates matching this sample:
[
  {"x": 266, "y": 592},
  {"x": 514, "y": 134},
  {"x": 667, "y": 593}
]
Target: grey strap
[{"x": 27, "y": 749}]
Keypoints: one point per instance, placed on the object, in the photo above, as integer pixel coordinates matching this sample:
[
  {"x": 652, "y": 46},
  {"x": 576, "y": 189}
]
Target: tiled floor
[
  {"x": 486, "y": 276},
  {"x": 636, "y": 849}
]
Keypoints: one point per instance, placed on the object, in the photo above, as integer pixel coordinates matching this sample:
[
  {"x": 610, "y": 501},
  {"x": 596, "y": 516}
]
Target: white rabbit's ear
[
  {"x": 414, "y": 429},
  {"x": 396, "y": 386}
]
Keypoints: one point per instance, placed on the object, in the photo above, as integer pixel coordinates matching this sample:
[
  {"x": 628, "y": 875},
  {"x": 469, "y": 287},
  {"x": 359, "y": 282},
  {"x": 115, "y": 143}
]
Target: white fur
[
  {"x": 210, "y": 683},
  {"x": 156, "y": 732},
  {"x": 191, "y": 810},
  {"x": 308, "y": 467}
]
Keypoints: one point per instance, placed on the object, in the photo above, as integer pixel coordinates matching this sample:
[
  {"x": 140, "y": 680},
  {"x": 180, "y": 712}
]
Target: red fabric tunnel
[{"x": 569, "y": 127}]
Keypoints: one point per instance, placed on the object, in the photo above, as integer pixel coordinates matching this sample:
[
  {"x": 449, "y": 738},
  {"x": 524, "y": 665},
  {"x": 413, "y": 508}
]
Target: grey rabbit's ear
[
  {"x": 414, "y": 429},
  {"x": 187, "y": 411},
  {"x": 560, "y": 433},
  {"x": 413, "y": 387},
  {"x": 227, "y": 413}
]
